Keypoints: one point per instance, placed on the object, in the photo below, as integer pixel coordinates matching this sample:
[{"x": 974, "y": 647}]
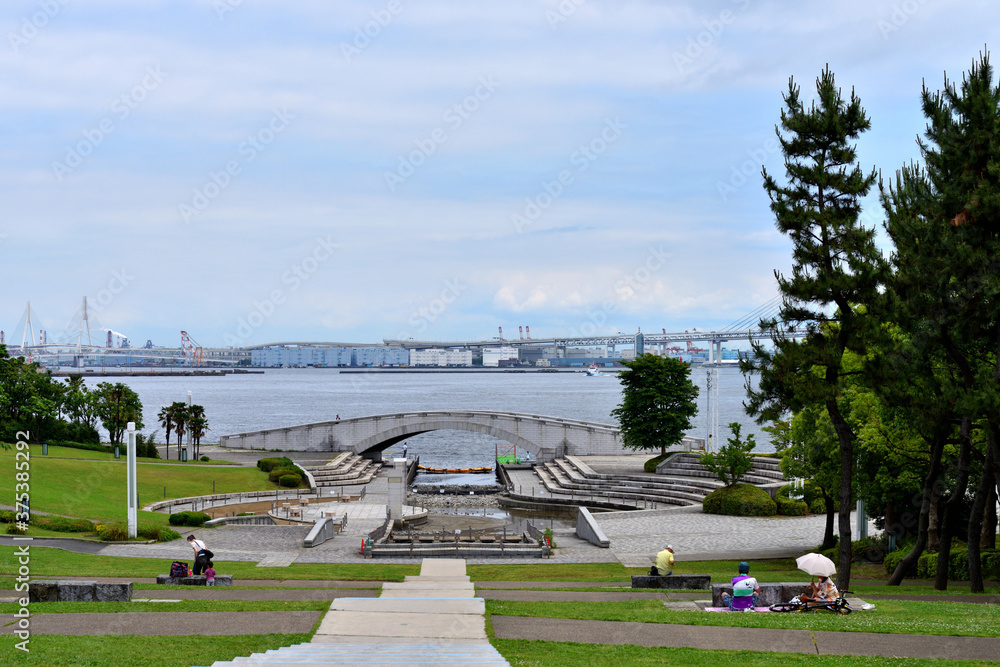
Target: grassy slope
[
  {"x": 522, "y": 653},
  {"x": 95, "y": 488}
]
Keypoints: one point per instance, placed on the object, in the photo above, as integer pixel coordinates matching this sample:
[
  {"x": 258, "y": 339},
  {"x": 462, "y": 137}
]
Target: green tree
[
  {"x": 197, "y": 425},
  {"x": 944, "y": 220},
  {"x": 733, "y": 460},
  {"x": 658, "y": 402},
  {"x": 181, "y": 417},
  {"x": 118, "y": 405},
  {"x": 812, "y": 452},
  {"x": 835, "y": 267}
]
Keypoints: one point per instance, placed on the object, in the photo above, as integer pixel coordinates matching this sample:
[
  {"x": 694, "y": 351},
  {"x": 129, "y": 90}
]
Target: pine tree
[{"x": 835, "y": 268}]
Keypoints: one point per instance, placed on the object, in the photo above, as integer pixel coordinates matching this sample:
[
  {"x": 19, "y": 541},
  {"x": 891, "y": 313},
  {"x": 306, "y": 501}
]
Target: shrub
[
  {"x": 89, "y": 446},
  {"x": 290, "y": 480},
  {"x": 739, "y": 500},
  {"x": 958, "y": 564},
  {"x": 6, "y": 516},
  {"x": 62, "y": 524},
  {"x": 278, "y": 473},
  {"x": 891, "y": 562},
  {"x": 269, "y": 464},
  {"x": 113, "y": 532},
  {"x": 13, "y": 529},
  {"x": 156, "y": 532},
  {"x": 188, "y": 519},
  {"x": 204, "y": 458},
  {"x": 650, "y": 465},
  {"x": 789, "y": 507},
  {"x": 870, "y": 549},
  {"x": 818, "y": 506}
]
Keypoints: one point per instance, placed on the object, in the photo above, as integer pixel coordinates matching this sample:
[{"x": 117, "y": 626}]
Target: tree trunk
[
  {"x": 846, "y": 439},
  {"x": 976, "y": 524},
  {"x": 927, "y": 502},
  {"x": 831, "y": 510},
  {"x": 934, "y": 525},
  {"x": 951, "y": 512}
]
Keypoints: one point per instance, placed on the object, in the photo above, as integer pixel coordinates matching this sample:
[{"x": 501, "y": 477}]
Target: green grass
[
  {"x": 8, "y": 608},
  {"x": 58, "y": 452},
  {"x": 56, "y": 562},
  {"x": 550, "y": 572},
  {"x": 890, "y": 616},
  {"x": 523, "y": 653},
  {"x": 139, "y": 651},
  {"x": 95, "y": 489}
]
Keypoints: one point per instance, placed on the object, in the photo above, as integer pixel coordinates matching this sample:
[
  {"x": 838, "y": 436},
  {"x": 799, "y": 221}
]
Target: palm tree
[
  {"x": 181, "y": 418},
  {"x": 197, "y": 425},
  {"x": 166, "y": 417}
]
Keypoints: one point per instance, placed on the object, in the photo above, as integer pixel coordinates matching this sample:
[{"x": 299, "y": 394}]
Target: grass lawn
[
  {"x": 548, "y": 571},
  {"x": 522, "y": 653},
  {"x": 95, "y": 488},
  {"x": 139, "y": 651},
  {"x": 56, "y": 562},
  {"x": 890, "y": 616}
]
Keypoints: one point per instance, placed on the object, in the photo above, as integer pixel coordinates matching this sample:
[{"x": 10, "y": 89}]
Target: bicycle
[{"x": 839, "y": 605}]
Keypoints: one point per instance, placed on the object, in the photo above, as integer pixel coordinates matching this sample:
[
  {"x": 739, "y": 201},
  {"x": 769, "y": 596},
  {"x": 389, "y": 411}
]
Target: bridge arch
[{"x": 390, "y": 436}]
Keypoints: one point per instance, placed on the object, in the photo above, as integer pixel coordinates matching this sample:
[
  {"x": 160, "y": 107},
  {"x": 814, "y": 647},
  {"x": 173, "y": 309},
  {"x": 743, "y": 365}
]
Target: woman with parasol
[{"x": 822, "y": 567}]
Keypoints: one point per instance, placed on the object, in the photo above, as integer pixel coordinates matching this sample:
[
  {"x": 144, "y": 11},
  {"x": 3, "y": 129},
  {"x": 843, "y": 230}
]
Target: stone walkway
[{"x": 432, "y": 618}]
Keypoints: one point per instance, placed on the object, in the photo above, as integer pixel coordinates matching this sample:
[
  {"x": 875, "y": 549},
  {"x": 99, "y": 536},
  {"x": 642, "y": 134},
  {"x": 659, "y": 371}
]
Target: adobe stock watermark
[
  {"x": 31, "y": 26},
  {"x": 425, "y": 315},
  {"x": 223, "y": 7},
  {"x": 628, "y": 286},
  {"x": 713, "y": 29},
  {"x": 121, "y": 108},
  {"x": 899, "y": 16},
  {"x": 117, "y": 283},
  {"x": 455, "y": 116},
  {"x": 564, "y": 10},
  {"x": 248, "y": 150},
  {"x": 579, "y": 161},
  {"x": 293, "y": 278},
  {"x": 363, "y": 35},
  {"x": 740, "y": 174}
]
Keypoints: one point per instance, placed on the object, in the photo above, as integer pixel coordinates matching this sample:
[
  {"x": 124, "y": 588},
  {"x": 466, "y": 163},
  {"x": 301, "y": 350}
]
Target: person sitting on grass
[
  {"x": 664, "y": 563},
  {"x": 823, "y": 589},
  {"x": 746, "y": 591}
]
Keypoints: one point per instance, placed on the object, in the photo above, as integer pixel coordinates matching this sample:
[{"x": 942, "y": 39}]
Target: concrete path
[
  {"x": 761, "y": 639},
  {"x": 430, "y": 619}
]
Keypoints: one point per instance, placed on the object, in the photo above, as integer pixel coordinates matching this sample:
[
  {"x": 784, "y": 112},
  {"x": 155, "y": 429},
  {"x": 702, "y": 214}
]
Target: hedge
[
  {"x": 958, "y": 564},
  {"x": 291, "y": 480},
  {"x": 189, "y": 519},
  {"x": 789, "y": 507},
  {"x": 269, "y": 464},
  {"x": 739, "y": 500}
]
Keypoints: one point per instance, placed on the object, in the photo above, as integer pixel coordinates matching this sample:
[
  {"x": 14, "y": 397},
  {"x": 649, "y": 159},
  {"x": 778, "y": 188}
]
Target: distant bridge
[{"x": 546, "y": 438}]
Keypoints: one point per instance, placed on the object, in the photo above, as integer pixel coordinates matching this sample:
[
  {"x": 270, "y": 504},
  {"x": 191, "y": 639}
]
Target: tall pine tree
[{"x": 835, "y": 268}]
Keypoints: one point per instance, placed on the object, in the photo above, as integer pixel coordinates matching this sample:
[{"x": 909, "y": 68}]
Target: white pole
[{"x": 133, "y": 491}]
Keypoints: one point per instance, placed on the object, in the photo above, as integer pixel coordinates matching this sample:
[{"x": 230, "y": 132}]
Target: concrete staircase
[
  {"x": 430, "y": 619},
  {"x": 345, "y": 469},
  {"x": 679, "y": 481}
]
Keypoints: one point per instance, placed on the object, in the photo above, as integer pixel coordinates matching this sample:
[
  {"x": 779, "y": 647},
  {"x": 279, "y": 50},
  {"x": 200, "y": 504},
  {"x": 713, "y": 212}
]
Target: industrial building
[
  {"x": 440, "y": 357},
  {"x": 492, "y": 356},
  {"x": 329, "y": 357}
]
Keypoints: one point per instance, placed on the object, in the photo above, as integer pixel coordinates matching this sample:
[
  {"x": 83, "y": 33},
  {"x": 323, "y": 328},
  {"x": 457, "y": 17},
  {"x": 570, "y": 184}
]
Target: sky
[{"x": 256, "y": 171}]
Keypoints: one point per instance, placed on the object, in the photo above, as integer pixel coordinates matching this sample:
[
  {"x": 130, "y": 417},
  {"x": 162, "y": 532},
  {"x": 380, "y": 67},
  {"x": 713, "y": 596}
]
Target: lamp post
[{"x": 133, "y": 491}]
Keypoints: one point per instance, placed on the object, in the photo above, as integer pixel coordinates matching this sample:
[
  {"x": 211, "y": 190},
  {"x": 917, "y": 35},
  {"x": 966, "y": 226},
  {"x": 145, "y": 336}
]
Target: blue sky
[{"x": 261, "y": 171}]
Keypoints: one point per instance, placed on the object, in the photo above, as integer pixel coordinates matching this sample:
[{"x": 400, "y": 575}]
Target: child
[{"x": 210, "y": 574}]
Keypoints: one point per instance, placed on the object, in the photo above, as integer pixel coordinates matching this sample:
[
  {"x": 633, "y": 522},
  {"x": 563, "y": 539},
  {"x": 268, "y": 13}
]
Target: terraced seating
[
  {"x": 683, "y": 482},
  {"x": 345, "y": 468}
]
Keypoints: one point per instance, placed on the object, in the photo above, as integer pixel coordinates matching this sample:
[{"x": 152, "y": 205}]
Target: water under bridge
[{"x": 546, "y": 438}]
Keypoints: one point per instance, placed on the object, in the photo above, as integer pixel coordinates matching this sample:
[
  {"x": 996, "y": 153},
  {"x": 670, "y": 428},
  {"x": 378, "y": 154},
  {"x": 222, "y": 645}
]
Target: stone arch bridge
[{"x": 546, "y": 438}]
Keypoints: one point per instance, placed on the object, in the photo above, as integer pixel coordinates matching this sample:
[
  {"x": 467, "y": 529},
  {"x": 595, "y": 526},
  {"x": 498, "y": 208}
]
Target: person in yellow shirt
[{"x": 664, "y": 563}]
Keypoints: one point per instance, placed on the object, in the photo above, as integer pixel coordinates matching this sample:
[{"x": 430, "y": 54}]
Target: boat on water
[
  {"x": 592, "y": 371},
  {"x": 452, "y": 471}
]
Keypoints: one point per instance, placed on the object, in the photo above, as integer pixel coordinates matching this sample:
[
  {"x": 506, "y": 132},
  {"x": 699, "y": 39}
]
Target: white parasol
[{"x": 817, "y": 565}]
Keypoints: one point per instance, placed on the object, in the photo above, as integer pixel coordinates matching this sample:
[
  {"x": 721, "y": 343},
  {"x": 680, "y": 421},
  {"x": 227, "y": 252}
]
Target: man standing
[
  {"x": 746, "y": 591},
  {"x": 664, "y": 563}
]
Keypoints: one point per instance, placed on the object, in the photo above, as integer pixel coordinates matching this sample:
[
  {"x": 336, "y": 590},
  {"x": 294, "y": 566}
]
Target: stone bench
[
  {"x": 771, "y": 593},
  {"x": 688, "y": 582},
  {"x": 199, "y": 580},
  {"x": 78, "y": 591}
]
